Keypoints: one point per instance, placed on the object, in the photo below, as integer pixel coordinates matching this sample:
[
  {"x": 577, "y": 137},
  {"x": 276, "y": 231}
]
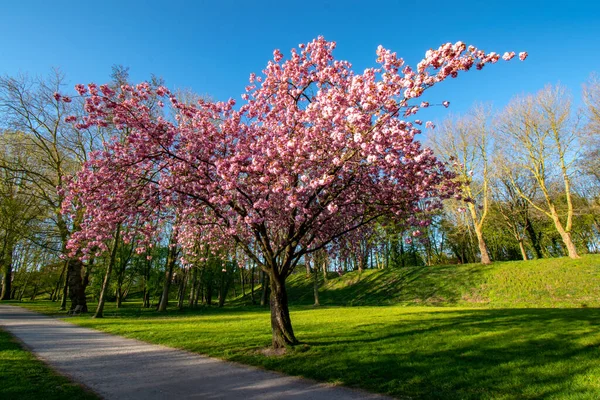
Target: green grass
[
  {"x": 416, "y": 352},
  {"x": 507, "y": 331},
  {"x": 558, "y": 282},
  {"x": 24, "y": 377}
]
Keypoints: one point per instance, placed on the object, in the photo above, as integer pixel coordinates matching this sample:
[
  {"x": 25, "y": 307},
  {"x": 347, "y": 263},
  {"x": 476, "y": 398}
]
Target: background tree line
[{"x": 530, "y": 174}]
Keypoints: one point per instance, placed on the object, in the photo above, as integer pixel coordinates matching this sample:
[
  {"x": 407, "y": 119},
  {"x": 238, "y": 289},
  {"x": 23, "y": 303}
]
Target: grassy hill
[{"x": 557, "y": 282}]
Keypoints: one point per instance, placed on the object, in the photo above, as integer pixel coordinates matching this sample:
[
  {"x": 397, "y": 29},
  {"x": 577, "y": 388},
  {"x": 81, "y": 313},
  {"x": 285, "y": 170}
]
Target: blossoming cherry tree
[{"x": 316, "y": 152}]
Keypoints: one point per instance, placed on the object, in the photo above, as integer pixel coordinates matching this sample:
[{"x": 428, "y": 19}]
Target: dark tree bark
[
  {"x": 193, "y": 286},
  {"x": 181, "y": 293},
  {"x": 146, "y": 293},
  {"x": 281, "y": 325},
  {"x": 6, "y": 281},
  {"x": 199, "y": 292},
  {"x": 225, "y": 284},
  {"x": 243, "y": 281},
  {"x": 535, "y": 239},
  {"x": 265, "y": 290},
  {"x": 35, "y": 292},
  {"x": 171, "y": 260},
  {"x": 208, "y": 292},
  {"x": 252, "y": 284},
  {"x": 6, "y": 262},
  {"x": 76, "y": 288}
]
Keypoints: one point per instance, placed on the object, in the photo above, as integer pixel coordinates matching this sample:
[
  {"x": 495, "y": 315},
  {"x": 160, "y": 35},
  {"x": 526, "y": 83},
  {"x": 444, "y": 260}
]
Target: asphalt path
[{"x": 119, "y": 368}]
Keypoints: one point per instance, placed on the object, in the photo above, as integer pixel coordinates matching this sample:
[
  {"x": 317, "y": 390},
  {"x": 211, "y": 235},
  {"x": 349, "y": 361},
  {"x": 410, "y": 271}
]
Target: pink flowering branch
[{"x": 315, "y": 153}]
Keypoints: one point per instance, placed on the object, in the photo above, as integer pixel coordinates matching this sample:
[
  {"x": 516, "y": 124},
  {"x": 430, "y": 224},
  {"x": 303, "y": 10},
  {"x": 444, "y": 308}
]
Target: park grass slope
[{"x": 557, "y": 282}]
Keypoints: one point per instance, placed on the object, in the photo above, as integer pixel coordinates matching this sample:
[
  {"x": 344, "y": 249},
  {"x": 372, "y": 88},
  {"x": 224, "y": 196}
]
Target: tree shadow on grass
[
  {"x": 467, "y": 354},
  {"x": 432, "y": 285}
]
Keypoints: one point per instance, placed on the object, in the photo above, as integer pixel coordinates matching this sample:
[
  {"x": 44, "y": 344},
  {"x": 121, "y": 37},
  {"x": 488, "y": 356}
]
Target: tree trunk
[
  {"x": 6, "y": 281},
  {"x": 7, "y": 270},
  {"x": 281, "y": 325},
  {"x": 208, "y": 291},
  {"x": 193, "y": 287},
  {"x": 535, "y": 239},
  {"x": 88, "y": 269},
  {"x": 485, "y": 256},
  {"x": 146, "y": 294},
  {"x": 111, "y": 263},
  {"x": 225, "y": 284},
  {"x": 316, "y": 284},
  {"x": 243, "y": 281},
  {"x": 265, "y": 289},
  {"x": 181, "y": 294},
  {"x": 523, "y": 251},
  {"x": 65, "y": 291},
  {"x": 252, "y": 284},
  {"x": 25, "y": 287},
  {"x": 565, "y": 236},
  {"x": 76, "y": 288},
  {"x": 54, "y": 297},
  {"x": 171, "y": 259},
  {"x": 199, "y": 290},
  {"x": 35, "y": 290},
  {"x": 100, "y": 308}
]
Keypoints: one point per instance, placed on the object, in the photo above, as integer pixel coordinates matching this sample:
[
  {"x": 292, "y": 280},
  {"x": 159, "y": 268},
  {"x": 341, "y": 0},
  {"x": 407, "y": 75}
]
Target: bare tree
[
  {"x": 538, "y": 134},
  {"x": 20, "y": 210},
  {"x": 465, "y": 142},
  {"x": 590, "y": 162},
  {"x": 33, "y": 107}
]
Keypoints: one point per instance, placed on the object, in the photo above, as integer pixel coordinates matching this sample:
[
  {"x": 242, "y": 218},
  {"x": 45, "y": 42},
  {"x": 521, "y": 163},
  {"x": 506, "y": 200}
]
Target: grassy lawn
[
  {"x": 555, "y": 282},
  {"x": 24, "y": 377},
  {"x": 415, "y": 352},
  {"x": 513, "y": 330}
]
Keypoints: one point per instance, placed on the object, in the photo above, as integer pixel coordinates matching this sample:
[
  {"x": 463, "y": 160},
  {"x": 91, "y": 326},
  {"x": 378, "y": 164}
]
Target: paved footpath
[{"x": 120, "y": 368}]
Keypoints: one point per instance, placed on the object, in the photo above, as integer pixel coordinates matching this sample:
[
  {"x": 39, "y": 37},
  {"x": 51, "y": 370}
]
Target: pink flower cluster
[{"x": 316, "y": 153}]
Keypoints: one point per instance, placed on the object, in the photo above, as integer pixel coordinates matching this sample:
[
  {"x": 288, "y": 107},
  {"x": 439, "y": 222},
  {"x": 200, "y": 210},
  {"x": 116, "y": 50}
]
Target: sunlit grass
[
  {"x": 519, "y": 330},
  {"x": 557, "y": 282},
  {"x": 420, "y": 352}
]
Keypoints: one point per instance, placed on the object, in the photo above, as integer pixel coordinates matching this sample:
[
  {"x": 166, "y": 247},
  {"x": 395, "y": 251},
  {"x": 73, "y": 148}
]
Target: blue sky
[{"x": 212, "y": 46}]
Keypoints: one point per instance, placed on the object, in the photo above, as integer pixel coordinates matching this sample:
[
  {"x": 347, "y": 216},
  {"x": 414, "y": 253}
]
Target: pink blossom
[
  {"x": 298, "y": 166},
  {"x": 81, "y": 89},
  {"x": 508, "y": 55},
  {"x": 523, "y": 55}
]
